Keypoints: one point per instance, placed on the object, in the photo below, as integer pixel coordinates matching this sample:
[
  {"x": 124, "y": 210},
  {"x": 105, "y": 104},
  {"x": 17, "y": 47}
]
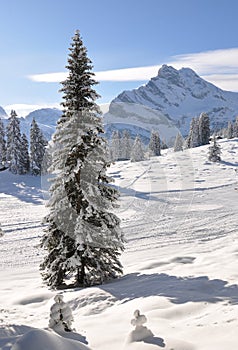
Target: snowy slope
[
  {"x": 177, "y": 95},
  {"x": 179, "y": 215}
]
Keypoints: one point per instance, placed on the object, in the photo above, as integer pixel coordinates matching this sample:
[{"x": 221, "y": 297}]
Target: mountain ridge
[
  {"x": 166, "y": 103},
  {"x": 180, "y": 95}
]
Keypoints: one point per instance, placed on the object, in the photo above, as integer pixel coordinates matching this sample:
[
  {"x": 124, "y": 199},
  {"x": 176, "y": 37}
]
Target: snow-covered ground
[{"x": 179, "y": 216}]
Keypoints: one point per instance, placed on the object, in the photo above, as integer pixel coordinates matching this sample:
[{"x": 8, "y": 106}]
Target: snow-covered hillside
[
  {"x": 179, "y": 216},
  {"x": 175, "y": 95}
]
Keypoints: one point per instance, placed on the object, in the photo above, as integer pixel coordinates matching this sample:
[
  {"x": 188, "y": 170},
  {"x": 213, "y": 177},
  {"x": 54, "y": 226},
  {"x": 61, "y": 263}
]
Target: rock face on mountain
[{"x": 177, "y": 95}]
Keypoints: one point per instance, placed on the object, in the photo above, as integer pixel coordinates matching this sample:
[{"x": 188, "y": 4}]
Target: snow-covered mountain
[
  {"x": 166, "y": 103},
  {"x": 173, "y": 97},
  {"x": 46, "y": 118}
]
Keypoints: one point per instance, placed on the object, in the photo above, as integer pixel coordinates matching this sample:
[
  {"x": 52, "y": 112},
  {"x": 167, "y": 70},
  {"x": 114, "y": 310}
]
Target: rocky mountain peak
[{"x": 179, "y": 95}]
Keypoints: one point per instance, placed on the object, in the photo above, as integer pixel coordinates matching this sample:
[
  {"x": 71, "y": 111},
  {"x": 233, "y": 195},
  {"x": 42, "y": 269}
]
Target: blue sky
[{"x": 139, "y": 34}]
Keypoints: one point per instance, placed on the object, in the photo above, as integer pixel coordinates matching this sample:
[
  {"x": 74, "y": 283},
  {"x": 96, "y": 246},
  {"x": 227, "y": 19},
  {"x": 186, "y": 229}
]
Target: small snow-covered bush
[
  {"x": 61, "y": 317},
  {"x": 214, "y": 154},
  {"x": 140, "y": 332}
]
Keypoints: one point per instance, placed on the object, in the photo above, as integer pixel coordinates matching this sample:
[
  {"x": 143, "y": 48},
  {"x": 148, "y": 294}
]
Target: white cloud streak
[{"x": 220, "y": 67}]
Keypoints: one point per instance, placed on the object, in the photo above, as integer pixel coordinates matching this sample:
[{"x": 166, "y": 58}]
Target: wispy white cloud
[
  {"x": 220, "y": 67},
  {"x": 126, "y": 74},
  {"x": 209, "y": 62}
]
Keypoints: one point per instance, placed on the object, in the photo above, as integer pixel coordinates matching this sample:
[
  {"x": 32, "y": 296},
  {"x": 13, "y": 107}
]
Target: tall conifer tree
[
  {"x": 126, "y": 145},
  {"x": 14, "y": 144},
  {"x": 178, "y": 143},
  {"x": 137, "y": 152},
  {"x": 83, "y": 236},
  {"x": 37, "y": 148},
  {"x": 155, "y": 143},
  {"x": 204, "y": 129},
  {"x": 2, "y": 145},
  {"x": 25, "y": 159}
]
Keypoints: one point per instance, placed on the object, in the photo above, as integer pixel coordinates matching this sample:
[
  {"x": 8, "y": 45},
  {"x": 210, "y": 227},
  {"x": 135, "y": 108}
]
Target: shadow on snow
[{"x": 178, "y": 290}]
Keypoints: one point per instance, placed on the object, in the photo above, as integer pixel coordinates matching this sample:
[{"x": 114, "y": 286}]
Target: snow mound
[{"x": 43, "y": 339}]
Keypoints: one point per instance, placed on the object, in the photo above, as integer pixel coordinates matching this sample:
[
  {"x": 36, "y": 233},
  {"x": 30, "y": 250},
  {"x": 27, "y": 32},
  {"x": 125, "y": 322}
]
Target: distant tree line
[
  {"x": 200, "y": 133},
  {"x": 123, "y": 147},
  {"x": 15, "y": 152}
]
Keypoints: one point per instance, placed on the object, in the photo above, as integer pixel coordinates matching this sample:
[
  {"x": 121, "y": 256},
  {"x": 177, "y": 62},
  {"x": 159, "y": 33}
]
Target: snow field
[{"x": 179, "y": 215}]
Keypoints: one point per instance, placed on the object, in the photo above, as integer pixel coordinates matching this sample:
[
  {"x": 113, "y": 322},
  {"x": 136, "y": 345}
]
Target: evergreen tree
[
  {"x": 230, "y": 130},
  {"x": 25, "y": 159},
  {"x": 155, "y": 144},
  {"x": 14, "y": 144},
  {"x": 137, "y": 152},
  {"x": 2, "y": 145},
  {"x": 214, "y": 154},
  {"x": 178, "y": 143},
  {"x": 1, "y": 231},
  {"x": 83, "y": 236},
  {"x": 115, "y": 147},
  {"x": 126, "y": 145},
  {"x": 204, "y": 129},
  {"x": 235, "y": 128},
  {"x": 37, "y": 148},
  {"x": 193, "y": 139}
]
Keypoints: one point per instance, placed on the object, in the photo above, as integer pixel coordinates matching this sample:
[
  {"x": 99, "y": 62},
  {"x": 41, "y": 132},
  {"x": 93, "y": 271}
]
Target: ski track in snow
[{"x": 179, "y": 216}]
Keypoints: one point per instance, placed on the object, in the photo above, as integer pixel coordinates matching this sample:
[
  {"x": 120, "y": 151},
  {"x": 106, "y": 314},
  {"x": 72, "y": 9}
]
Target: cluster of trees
[
  {"x": 199, "y": 133},
  {"x": 232, "y": 129},
  {"x": 123, "y": 148},
  {"x": 15, "y": 152}
]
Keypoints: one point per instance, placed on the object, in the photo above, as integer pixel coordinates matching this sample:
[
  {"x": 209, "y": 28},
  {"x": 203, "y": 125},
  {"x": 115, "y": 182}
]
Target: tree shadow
[
  {"x": 178, "y": 290},
  {"x": 26, "y": 188},
  {"x": 155, "y": 341},
  {"x": 228, "y": 163},
  {"x": 127, "y": 191}
]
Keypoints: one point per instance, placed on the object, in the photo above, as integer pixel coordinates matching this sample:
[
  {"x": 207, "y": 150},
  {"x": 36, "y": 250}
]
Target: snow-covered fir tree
[
  {"x": 1, "y": 231},
  {"x": 61, "y": 317},
  {"x": 235, "y": 128},
  {"x": 137, "y": 152},
  {"x": 14, "y": 145},
  {"x": 193, "y": 139},
  {"x": 115, "y": 146},
  {"x": 230, "y": 130},
  {"x": 154, "y": 144},
  {"x": 178, "y": 143},
  {"x": 204, "y": 129},
  {"x": 83, "y": 236},
  {"x": 38, "y": 145},
  {"x": 2, "y": 145},
  {"x": 126, "y": 145},
  {"x": 25, "y": 159},
  {"x": 214, "y": 154}
]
